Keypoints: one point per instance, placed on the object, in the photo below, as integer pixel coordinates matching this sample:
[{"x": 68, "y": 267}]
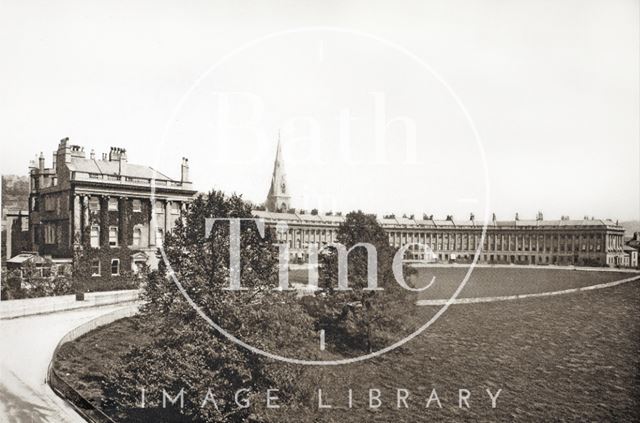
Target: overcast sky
[{"x": 552, "y": 87}]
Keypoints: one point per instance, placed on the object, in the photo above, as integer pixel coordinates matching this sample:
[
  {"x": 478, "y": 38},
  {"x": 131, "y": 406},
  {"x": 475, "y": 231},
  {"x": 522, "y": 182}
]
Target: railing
[
  {"x": 83, "y": 406},
  {"x": 80, "y": 404},
  {"x": 77, "y": 175}
]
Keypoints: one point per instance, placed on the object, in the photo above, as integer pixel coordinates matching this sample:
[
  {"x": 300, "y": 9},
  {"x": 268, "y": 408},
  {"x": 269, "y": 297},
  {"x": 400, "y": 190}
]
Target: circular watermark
[{"x": 483, "y": 175}]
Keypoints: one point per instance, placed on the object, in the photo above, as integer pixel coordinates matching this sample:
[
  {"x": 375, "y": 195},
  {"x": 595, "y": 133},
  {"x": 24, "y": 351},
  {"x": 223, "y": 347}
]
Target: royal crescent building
[{"x": 587, "y": 242}]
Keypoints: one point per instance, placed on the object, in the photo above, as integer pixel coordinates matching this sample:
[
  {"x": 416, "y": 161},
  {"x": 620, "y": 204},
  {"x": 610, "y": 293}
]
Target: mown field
[
  {"x": 573, "y": 357},
  {"x": 489, "y": 282}
]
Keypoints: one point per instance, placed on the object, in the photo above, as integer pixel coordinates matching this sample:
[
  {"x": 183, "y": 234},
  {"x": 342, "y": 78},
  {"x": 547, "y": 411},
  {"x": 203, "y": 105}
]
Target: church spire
[{"x": 278, "y": 197}]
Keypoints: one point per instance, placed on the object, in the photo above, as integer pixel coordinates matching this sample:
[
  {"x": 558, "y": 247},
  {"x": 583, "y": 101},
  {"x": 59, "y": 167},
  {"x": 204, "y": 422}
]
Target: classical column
[
  {"x": 123, "y": 221},
  {"x": 167, "y": 211},
  {"x": 104, "y": 221},
  {"x": 152, "y": 223},
  {"x": 183, "y": 213},
  {"x": 85, "y": 215},
  {"x": 540, "y": 242},
  {"x": 77, "y": 221}
]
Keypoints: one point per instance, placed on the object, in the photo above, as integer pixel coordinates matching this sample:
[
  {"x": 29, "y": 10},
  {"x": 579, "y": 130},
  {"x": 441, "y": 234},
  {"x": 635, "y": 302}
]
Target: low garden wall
[
  {"x": 10, "y": 309},
  {"x": 83, "y": 406}
]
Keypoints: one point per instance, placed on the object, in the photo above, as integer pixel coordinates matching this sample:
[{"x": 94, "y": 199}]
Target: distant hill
[
  {"x": 15, "y": 193},
  {"x": 630, "y": 227}
]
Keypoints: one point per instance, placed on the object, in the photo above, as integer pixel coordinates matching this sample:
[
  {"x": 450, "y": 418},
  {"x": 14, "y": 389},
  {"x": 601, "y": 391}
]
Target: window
[
  {"x": 175, "y": 208},
  {"x": 158, "y": 207},
  {"x": 94, "y": 204},
  {"x": 113, "y": 236},
  {"x": 115, "y": 267},
  {"x": 63, "y": 269},
  {"x": 137, "y": 236},
  {"x": 113, "y": 204},
  {"x": 95, "y": 237},
  {"x": 49, "y": 203},
  {"x": 49, "y": 233},
  {"x": 137, "y": 206},
  {"x": 159, "y": 237},
  {"x": 95, "y": 267}
]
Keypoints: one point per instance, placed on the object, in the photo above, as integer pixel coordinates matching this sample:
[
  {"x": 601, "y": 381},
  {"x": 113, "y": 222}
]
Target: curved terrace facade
[{"x": 586, "y": 242}]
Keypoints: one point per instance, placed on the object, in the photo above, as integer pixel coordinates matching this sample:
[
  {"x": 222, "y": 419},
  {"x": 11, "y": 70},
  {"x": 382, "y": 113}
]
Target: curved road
[{"x": 27, "y": 344}]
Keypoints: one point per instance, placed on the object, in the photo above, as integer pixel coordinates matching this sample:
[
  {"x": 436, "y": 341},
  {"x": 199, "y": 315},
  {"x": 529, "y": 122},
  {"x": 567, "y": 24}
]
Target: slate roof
[
  {"x": 405, "y": 222},
  {"x": 104, "y": 167}
]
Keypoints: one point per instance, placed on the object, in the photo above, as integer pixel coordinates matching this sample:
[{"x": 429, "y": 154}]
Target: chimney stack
[
  {"x": 41, "y": 162},
  {"x": 64, "y": 151},
  {"x": 117, "y": 154},
  {"x": 184, "y": 170},
  {"x": 92, "y": 155}
]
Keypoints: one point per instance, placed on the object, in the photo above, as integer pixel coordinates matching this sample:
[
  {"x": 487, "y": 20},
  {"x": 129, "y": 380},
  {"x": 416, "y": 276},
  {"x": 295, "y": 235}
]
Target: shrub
[{"x": 360, "y": 319}]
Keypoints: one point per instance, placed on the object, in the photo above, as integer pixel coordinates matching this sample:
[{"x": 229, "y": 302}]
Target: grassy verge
[{"x": 572, "y": 357}]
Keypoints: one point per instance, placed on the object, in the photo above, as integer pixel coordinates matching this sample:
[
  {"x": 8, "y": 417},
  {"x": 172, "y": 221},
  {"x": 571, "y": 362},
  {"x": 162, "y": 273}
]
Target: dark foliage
[
  {"x": 185, "y": 351},
  {"x": 359, "y": 319}
]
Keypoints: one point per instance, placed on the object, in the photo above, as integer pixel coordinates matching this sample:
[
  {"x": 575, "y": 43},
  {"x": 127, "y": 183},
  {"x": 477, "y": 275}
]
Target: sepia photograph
[{"x": 320, "y": 211}]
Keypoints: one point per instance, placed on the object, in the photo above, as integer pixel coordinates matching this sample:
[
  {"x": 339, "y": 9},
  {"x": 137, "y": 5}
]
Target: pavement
[
  {"x": 10, "y": 309},
  {"x": 27, "y": 346}
]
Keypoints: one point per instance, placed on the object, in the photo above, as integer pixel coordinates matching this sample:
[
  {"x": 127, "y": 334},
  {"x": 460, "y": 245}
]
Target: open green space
[{"x": 573, "y": 357}]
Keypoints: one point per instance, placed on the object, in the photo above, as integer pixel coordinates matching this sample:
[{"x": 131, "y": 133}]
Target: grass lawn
[
  {"x": 489, "y": 282},
  {"x": 573, "y": 357}
]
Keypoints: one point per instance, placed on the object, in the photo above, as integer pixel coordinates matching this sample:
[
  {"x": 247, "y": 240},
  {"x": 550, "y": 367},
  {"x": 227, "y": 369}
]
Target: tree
[
  {"x": 185, "y": 352},
  {"x": 361, "y": 319}
]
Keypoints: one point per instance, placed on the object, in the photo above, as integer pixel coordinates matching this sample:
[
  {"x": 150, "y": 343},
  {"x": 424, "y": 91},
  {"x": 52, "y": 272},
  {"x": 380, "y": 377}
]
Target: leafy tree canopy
[
  {"x": 361, "y": 319},
  {"x": 186, "y": 352}
]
